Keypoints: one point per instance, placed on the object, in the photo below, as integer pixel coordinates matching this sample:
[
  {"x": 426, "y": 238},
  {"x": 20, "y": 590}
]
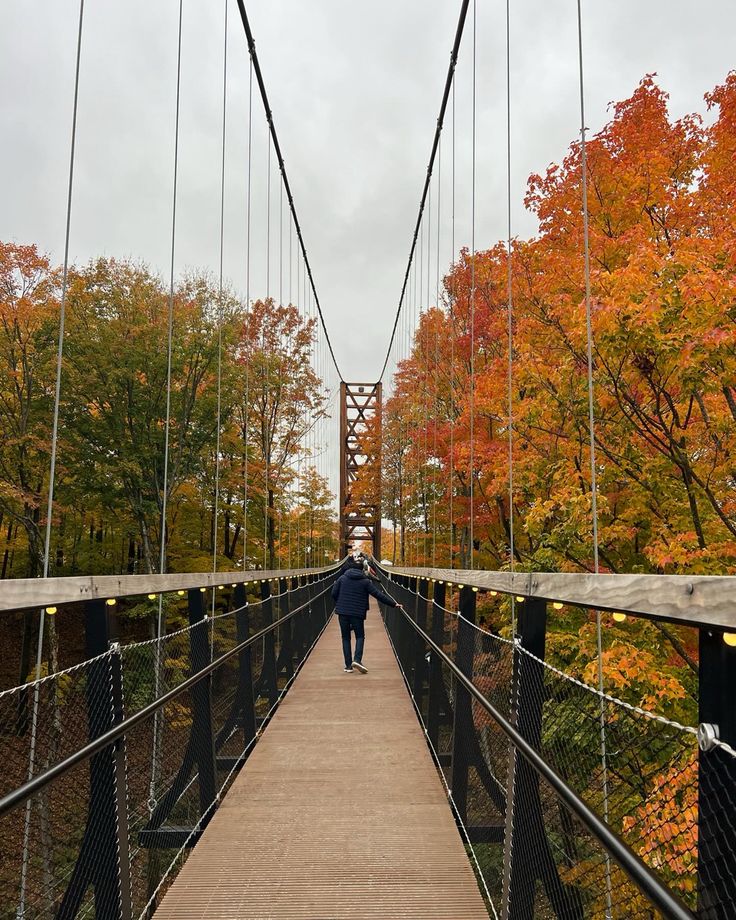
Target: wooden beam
[
  {"x": 23, "y": 593},
  {"x": 695, "y": 600}
]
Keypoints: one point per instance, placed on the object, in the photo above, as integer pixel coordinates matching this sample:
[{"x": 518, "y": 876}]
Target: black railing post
[
  {"x": 298, "y": 628},
  {"x": 530, "y": 856},
  {"x": 246, "y": 705},
  {"x": 463, "y": 727},
  {"x": 420, "y": 664},
  {"x": 716, "y": 773},
  {"x": 436, "y": 686},
  {"x": 406, "y": 632},
  {"x": 326, "y": 602},
  {"x": 287, "y": 645},
  {"x": 121, "y": 786},
  {"x": 523, "y": 798},
  {"x": 104, "y": 858},
  {"x": 269, "y": 682},
  {"x": 202, "y": 733}
]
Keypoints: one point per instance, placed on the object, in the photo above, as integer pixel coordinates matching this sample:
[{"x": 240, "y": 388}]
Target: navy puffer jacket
[{"x": 350, "y": 594}]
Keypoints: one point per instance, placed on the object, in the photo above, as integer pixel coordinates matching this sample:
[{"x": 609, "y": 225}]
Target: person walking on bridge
[{"x": 350, "y": 594}]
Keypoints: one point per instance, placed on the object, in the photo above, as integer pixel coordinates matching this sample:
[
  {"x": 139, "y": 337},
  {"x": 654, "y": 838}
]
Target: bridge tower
[{"x": 360, "y": 410}]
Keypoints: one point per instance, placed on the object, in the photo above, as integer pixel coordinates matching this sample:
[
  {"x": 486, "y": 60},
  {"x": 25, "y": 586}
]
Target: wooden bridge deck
[{"x": 338, "y": 812}]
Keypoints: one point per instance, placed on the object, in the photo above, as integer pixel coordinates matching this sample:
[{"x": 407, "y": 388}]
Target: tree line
[
  {"x": 275, "y": 509},
  {"x": 661, "y": 196}
]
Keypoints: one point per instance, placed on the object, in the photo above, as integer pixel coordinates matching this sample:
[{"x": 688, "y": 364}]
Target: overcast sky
[{"x": 355, "y": 91}]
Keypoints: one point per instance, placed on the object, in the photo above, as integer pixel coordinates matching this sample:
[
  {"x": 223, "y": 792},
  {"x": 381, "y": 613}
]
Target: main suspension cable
[
  {"x": 430, "y": 167},
  {"x": 282, "y": 168}
]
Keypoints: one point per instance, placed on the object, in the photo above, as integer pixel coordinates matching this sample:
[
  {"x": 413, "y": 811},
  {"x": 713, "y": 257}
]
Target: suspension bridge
[{"x": 230, "y": 768}]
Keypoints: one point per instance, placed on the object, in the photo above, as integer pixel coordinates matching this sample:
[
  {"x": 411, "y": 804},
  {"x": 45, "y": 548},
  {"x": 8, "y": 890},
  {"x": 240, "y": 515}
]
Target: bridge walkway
[{"x": 338, "y": 813}]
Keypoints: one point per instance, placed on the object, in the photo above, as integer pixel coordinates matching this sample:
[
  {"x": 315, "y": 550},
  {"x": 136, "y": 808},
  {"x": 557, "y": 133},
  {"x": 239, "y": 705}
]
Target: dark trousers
[{"x": 357, "y": 625}]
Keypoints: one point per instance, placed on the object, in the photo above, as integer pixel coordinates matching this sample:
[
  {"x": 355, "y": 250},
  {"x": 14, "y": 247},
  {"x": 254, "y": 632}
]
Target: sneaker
[
  {"x": 359, "y": 666},
  {"x": 347, "y": 670}
]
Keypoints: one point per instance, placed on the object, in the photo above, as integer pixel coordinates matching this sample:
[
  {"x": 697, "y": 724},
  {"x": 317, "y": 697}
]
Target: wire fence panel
[
  {"x": 639, "y": 772},
  {"x": 107, "y": 836}
]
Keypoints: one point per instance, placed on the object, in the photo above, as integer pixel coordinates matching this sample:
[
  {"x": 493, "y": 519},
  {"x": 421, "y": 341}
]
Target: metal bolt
[
  {"x": 708, "y": 735},
  {"x": 689, "y": 587}
]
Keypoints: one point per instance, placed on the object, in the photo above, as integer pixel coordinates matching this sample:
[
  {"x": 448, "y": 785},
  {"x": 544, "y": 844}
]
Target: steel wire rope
[
  {"x": 160, "y": 621},
  {"x": 471, "y": 547},
  {"x": 424, "y": 364},
  {"x": 280, "y": 376},
  {"x": 435, "y": 143},
  {"x": 246, "y": 408},
  {"x": 265, "y": 426},
  {"x": 453, "y": 297},
  {"x": 52, "y": 461},
  {"x": 291, "y": 481},
  {"x": 436, "y": 359},
  {"x": 591, "y": 428},
  {"x": 282, "y": 167},
  {"x": 219, "y": 321},
  {"x": 512, "y": 764},
  {"x": 509, "y": 316}
]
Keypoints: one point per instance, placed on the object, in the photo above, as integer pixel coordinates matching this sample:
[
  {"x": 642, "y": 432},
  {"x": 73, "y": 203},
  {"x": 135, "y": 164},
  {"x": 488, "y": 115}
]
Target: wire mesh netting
[
  {"x": 672, "y": 803},
  {"x": 106, "y": 837}
]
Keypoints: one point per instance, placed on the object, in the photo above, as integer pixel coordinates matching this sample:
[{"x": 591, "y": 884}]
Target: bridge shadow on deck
[{"x": 338, "y": 813}]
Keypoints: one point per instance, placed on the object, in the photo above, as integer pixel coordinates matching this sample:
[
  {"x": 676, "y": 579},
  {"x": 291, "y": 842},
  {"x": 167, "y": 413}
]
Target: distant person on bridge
[{"x": 350, "y": 594}]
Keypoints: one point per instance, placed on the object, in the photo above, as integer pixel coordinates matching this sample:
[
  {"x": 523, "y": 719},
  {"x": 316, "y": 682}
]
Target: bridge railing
[
  {"x": 112, "y": 769},
  {"x": 531, "y": 755}
]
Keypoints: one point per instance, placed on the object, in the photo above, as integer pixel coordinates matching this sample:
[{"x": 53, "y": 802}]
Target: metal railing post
[
  {"x": 716, "y": 772},
  {"x": 246, "y": 704},
  {"x": 269, "y": 682},
  {"x": 420, "y": 664},
  {"x": 203, "y": 738},
  {"x": 104, "y": 857},
  {"x": 463, "y": 726},
  {"x": 298, "y": 629},
  {"x": 287, "y": 646},
  {"x": 435, "y": 668}
]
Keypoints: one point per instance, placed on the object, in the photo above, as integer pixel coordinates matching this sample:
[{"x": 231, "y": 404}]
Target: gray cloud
[{"x": 355, "y": 90}]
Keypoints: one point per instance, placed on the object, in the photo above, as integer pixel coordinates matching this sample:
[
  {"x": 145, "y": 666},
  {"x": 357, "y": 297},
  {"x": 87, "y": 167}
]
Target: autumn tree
[
  {"x": 29, "y": 307},
  {"x": 280, "y": 399},
  {"x": 115, "y": 389}
]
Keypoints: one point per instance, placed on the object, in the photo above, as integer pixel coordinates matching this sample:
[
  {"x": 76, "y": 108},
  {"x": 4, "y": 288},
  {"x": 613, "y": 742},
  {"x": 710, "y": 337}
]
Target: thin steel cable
[
  {"x": 436, "y": 360},
  {"x": 472, "y": 307},
  {"x": 160, "y": 623},
  {"x": 219, "y": 318},
  {"x": 591, "y": 430},
  {"x": 266, "y": 458},
  {"x": 281, "y": 244},
  {"x": 510, "y": 314},
  {"x": 268, "y": 221},
  {"x": 452, "y": 351},
  {"x": 422, "y": 329},
  {"x": 246, "y": 418},
  {"x": 52, "y": 466}
]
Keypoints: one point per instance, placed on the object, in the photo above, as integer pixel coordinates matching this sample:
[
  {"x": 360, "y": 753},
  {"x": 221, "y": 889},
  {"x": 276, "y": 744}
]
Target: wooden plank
[
  {"x": 23, "y": 593},
  {"x": 695, "y": 600},
  {"x": 338, "y": 813}
]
